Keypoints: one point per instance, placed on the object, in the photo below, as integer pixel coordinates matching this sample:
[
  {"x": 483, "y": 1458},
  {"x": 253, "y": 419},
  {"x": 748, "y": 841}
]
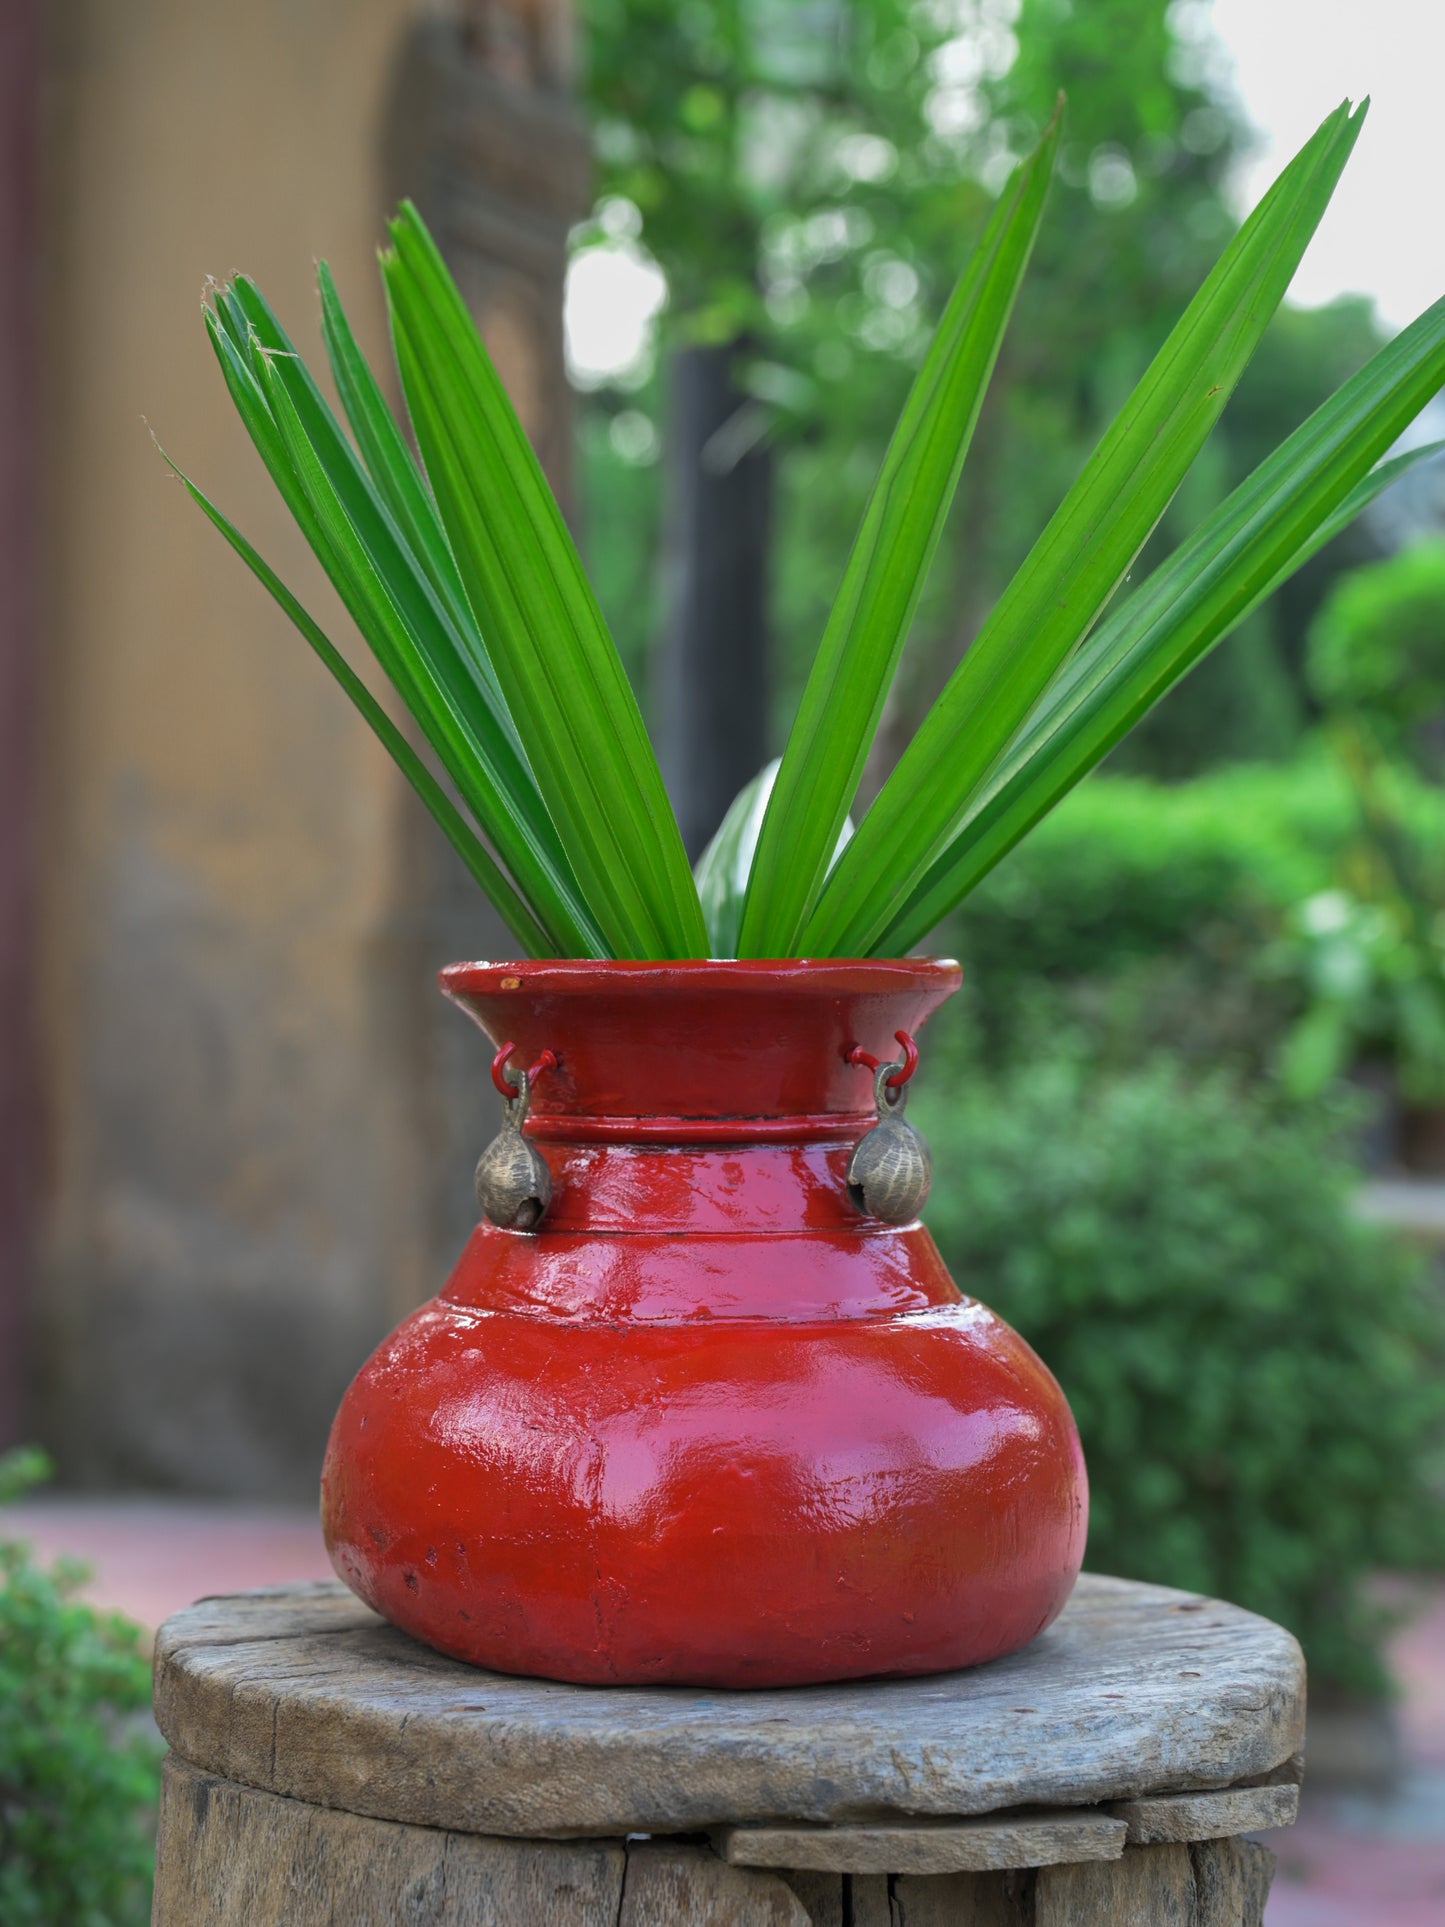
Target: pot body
[{"x": 707, "y": 1424}]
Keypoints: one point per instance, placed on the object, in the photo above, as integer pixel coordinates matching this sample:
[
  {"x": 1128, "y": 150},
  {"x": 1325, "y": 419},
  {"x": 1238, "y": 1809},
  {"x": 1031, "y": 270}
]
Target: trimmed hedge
[
  {"x": 79, "y": 1757},
  {"x": 1257, "y": 1374}
]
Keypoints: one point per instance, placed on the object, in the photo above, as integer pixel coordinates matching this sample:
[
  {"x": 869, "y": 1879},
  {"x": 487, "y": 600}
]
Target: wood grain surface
[
  {"x": 231, "y": 1856},
  {"x": 228, "y": 1856},
  {"x": 668, "y": 1886},
  {"x": 1146, "y": 1887},
  {"x": 1134, "y": 1691},
  {"x": 1214, "y": 1883},
  {"x": 962, "y": 1900},
  {"x": 929, "y": 1847},
  {"x": 1207, "y": 1816}
]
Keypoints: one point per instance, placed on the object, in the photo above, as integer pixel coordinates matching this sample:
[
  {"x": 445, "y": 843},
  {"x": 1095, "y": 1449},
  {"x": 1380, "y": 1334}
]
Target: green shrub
[
  {"x": 1126, "y": 867},
  {"x": 1378, "y": 642},
  {"x": 1256, "y": 1373},
  {"x": 1151, "y": 913},
  {"x": 1137, "y": 912},
  {"x": 1364, "y": 961},
  {"x": 79, "y": 1761}
]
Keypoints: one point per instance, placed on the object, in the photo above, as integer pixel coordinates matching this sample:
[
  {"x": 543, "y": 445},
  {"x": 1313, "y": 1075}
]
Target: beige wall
[{"x": 233, "y": 942}]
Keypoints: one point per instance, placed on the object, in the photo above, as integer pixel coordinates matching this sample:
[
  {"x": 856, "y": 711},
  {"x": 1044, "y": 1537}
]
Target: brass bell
[
  {"x": 513, "y": 1182},
  {"x": 890, "y": 1170}
]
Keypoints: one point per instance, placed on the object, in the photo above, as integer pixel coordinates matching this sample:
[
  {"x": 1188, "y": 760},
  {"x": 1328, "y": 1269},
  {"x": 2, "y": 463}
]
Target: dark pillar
[
  {"x": 714, "y": 666},
  {"x": 19, "y": 529}
]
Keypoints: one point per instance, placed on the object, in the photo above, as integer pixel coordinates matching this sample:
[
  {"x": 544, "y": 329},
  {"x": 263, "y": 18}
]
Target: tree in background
[
  {"x": 765, "y": 156},
  {"x": 809, "y": 177},
  {"x": 1136, "y": 220}
]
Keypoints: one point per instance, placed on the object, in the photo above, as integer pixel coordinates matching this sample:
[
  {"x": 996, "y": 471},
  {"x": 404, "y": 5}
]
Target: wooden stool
[{"x": 328, "y": 1772}]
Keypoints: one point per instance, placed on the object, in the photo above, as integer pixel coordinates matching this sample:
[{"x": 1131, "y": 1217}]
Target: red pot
[{"x": 708, "y": 1424}]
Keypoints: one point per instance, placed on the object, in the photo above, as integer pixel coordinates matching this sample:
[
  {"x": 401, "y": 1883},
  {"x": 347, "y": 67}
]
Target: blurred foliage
[
  {"x": 1369, "y": 951},
  {"x": 1249, "y": 700},
  {"x": 1377, "y": 647},
  {"x": 1370, "y": 948},
  {"x": 1189, "y": 1264},
  {"x": 1374, "y": 972},
  {"x": 778, "y": 163},
  {"x": 1125, "y": 867},
  {"x": 1130, "y": 885},
  {"x": 810, "y": 176},
  {"x": 767, "y": 150},
  {"x": 617, "y": 449},
  {"x": 1274, "y": 917},
  {"x": 79, "y": 1758}
]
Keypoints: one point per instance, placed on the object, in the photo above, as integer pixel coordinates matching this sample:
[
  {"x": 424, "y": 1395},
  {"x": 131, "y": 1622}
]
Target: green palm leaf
[
  {"x": 868, "y": 626},
  {"x": 388, "y": 516},
  {"x": 1080, "y": 559},
  {"x": 459, "y": 833},
  {"x": 388, "y": 459},
  {"x": 1309, "y": 489},
  {"x": 556, "y": 662},
  {"x": 462, "y": 578},
  {"x": 723, "y": 869},
  {"x": 434, "y": 668}
]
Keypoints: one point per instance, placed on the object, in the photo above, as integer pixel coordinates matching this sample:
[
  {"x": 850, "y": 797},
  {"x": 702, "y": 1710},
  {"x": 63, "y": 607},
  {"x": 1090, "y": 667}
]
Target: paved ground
[
  {"x": 1353, "y": 1861},
  {"x": 151, "y": 1556},
  {"x": 1378, "y": 1860}
]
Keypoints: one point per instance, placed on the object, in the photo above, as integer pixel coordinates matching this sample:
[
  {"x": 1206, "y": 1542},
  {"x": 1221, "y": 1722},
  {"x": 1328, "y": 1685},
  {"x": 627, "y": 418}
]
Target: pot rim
[{"x": 617, "y": 976}]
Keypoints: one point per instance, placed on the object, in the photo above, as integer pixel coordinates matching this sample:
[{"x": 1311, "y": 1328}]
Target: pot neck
[{"x": 699, "y": 1053}]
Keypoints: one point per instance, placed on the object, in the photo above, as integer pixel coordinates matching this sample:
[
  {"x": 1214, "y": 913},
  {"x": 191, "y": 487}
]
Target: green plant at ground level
[
  {"x": 1377, "y": 645},
  {"x": 1153, "y": 916},
  {"x": 1369, "y": 951},
  {"x": 1128, "y": 868},
  {"x": 1256, "y": 1373},
  {"x": 464, "y": 582},
  {"x": 79, "y": 1762},
  {"x": 1138, "y": 914}
]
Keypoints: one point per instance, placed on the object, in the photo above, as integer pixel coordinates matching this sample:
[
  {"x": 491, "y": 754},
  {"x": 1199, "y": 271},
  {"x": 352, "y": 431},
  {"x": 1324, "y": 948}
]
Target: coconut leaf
[{"x": 463, "y": 580}]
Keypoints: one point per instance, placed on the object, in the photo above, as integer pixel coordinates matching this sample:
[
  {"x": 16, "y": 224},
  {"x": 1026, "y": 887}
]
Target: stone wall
[
  {"x": 257, "y": 1138},
  {"x": 19, "y": 528}
]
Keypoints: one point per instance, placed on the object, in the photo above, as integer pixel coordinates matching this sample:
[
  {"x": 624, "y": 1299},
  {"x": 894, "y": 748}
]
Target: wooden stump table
[{"x": 328, "y": 1772}]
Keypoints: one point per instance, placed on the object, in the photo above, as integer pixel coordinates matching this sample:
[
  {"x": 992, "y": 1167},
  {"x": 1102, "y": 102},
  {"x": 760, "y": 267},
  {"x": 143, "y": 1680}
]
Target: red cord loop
[
  {"x": 855, "y": 1054},
  {"x": 546, "y": 1062}
]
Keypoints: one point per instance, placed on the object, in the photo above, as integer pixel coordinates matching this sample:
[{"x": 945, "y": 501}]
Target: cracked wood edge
[
  {"x": 231, "y": 1856},
  {"x": 994, "y": 1844},
  {"x": 1135, "y": 1690},
  {"x": 669, "y": 1886},
  {"x": 1207, "y": 1816}
]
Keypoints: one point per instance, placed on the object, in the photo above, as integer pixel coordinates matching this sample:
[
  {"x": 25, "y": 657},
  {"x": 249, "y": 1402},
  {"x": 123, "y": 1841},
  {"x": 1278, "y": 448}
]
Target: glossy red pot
[{"x": 707, "y": 1424}]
